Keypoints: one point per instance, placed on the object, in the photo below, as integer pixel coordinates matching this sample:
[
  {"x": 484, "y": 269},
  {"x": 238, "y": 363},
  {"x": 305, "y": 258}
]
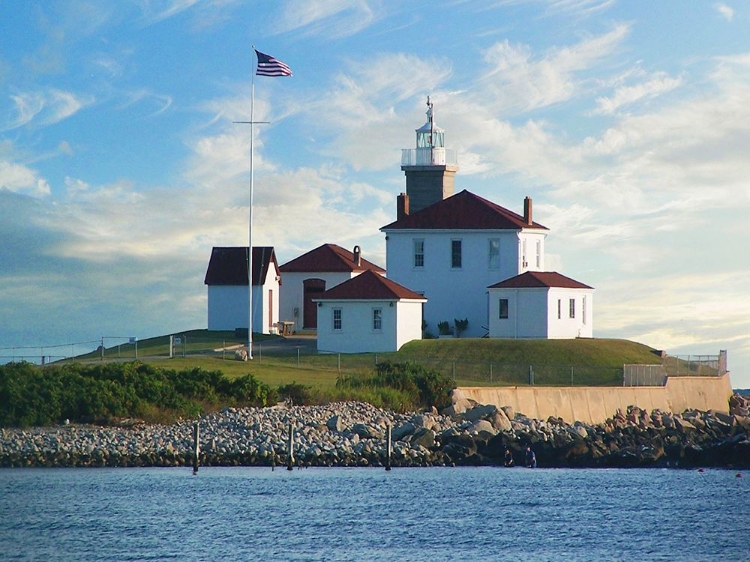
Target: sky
[{"x": 121, "y": 164}]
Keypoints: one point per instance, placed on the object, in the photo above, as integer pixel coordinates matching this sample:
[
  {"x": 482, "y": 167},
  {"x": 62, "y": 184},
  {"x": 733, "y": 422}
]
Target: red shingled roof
[
  {"x": 228, "y": 265},
  {"x": 369, "y": 286},
  {"x": 531, "y": 279},
  {"x": 463, "y": 211},
  {"x": 329, "y": 258}
]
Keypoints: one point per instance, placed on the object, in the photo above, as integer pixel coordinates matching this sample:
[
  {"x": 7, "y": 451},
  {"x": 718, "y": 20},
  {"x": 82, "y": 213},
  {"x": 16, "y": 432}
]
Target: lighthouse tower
[{"x": 430, "y": 168}]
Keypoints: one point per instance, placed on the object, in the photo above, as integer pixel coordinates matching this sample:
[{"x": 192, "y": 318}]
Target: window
[
  {"x": 337, "y": 319},
  {"x": 503, "y": 309},
  {"x": 583, "y": 310},
  {"x": 572, "y": 308},
  {"x": 524, "y": 263},
  {"x": 419, "y": 252},
  {"x": 538, "y": 254},
  {"x": 494, "y": 253},
  {"x": 377, "y": 319},
  {"x": 559, "y": 309},
  {"x": 455, "y": 254}
]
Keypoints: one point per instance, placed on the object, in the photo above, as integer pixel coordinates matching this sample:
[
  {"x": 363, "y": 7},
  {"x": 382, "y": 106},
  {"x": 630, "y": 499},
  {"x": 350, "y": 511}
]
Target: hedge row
[{"x": 34, "y": 396}]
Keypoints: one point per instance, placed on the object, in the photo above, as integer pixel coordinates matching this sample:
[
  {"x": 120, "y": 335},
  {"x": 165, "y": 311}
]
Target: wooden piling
[
  {"x": 290, "y": 451},
  {"x": 388, "y": 448},
  {"x": 196, "y": 447}
]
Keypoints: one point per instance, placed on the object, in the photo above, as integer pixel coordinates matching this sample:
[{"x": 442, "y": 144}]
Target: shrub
[
  {"x": 297, "y": 394},
  {"x": 30, "y": 395},
  {"x": 416, "y": 386},
  {"x": 444, "y": 328},
  {"x": 461, "y": 326}
]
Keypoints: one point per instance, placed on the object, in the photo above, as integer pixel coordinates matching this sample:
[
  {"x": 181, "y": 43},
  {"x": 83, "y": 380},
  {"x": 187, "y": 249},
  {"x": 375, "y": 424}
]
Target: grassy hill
[
  {"x": 578, "y": 352},
  {"x": 471, "y": 361}
]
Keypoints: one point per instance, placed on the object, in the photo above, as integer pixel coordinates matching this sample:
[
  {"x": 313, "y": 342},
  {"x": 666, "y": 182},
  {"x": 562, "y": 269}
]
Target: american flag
[{"x": 269, "y": 66}]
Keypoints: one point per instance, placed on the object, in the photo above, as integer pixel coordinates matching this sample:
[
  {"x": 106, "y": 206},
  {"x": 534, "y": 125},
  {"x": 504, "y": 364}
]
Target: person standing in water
[
  {"x": 530, "y": 457},
  {"x": 508, "y": 457}
]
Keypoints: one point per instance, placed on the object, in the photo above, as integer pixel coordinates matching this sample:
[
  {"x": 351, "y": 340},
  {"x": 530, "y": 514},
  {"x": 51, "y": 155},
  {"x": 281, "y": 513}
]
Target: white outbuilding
[
  {"x": 541, "y": 304},
  {"x": 367, "y": 314},
  {"x": 308, "y": 276},
  {"x": 227, "y": 281}
]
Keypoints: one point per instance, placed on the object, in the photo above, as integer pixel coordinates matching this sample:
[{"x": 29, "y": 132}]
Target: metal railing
[{"x": 429, "y": 157}]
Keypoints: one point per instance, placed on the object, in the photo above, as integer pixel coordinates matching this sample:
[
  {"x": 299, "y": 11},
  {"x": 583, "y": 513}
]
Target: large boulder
[
  {"x": 480, "y": 413},
  {"x": 483, "y": 429},
  {"x": 500, "y": 421},
  {"x": 399, "y": 432},
  {"x": 459, "y": 403},
  {"x": 335, "y": 423},
  {"x": 424, "y": 438}
]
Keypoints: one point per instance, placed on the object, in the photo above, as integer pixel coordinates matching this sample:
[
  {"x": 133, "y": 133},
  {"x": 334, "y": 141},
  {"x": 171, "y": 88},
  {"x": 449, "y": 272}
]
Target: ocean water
[{"x": 370, "y": 514}]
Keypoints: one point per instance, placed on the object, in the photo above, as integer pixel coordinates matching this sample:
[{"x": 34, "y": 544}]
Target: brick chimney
[
  {"x": 357, "y": 256},
  {"x": 402, "y": 206},
  {"x": 527, "y": 211}
]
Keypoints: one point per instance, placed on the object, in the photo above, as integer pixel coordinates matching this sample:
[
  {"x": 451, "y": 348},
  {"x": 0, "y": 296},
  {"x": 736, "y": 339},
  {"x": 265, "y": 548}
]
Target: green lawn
[{"x": 472, "y": 362}]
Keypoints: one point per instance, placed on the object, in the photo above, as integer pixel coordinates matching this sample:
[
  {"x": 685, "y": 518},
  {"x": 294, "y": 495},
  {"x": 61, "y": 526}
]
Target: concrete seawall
[{"x": 594, "y": 404}]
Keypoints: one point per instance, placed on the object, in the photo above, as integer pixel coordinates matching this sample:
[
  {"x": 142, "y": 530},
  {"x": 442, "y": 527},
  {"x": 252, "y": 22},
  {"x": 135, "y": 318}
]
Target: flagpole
[
  {"x": 271, "y": 67},
  {"x": 250, "y": 224}
]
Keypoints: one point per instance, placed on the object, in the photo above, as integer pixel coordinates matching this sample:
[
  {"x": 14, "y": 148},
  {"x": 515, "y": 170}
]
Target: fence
[
  {"x": 466, "y": 372},
  {"x": 644, "y": 375},
  {"x": 696, "y": 365}
]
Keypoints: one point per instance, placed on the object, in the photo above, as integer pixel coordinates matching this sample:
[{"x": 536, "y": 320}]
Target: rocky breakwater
[
  {"x": 636, "y": 438},
  {"x": 354, "y": 434},
  {"x": 337, "y": 434}
]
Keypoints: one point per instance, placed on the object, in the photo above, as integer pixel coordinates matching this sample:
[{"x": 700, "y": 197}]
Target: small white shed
[
  {"x": 368, "y": 313},
  {"x": 541, "y": 304},
  {"x": 227, "y": 281}
]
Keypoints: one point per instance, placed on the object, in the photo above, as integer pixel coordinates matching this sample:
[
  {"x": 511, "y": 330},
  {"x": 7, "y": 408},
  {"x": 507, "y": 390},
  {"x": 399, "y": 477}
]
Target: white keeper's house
[
  {"x": 458, "y": 250},
  {"x": 227, "y": 281},
  {"x": 368, "y": 313},
  {"x": 308, "y": 276}
]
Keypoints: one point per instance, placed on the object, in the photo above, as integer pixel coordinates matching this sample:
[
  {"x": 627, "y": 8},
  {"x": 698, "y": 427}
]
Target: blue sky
[{"x": 628, "y": 124}]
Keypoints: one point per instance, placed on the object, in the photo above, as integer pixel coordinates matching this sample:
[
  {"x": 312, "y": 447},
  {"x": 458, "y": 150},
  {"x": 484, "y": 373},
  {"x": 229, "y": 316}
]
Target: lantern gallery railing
[{"x": 428, "y": 157}]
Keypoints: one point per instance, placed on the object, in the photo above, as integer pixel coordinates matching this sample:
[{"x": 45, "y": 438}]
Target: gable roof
[
  {"x": 533, "y": 279},
  {"x": 369, "y": 286},
  {"x": 329, "y": 258},
  {"x": 463, "y": 211},
  {"x": 228, "y": 265}
]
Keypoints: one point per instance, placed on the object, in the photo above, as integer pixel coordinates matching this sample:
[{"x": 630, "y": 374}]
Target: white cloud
[
  {"x": 20, "y": 179},
  {"x": 330, "y": 18},
  {"x": 45, "y": 107},
  {"x": 628, "y": 95},
  {"x": 155, "y": 11},
  {"x": 361, "y": 112},
  {"x": 520, "y": 82},
  {"x": 581, "y": 8},
  {"x": 75, "y": 186},
  {"x": 162, "y": 101},
  {"x": 725, "y": 11}
]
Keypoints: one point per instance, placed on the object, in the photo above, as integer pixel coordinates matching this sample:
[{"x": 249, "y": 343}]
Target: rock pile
[{"x": 354, "y": 434}]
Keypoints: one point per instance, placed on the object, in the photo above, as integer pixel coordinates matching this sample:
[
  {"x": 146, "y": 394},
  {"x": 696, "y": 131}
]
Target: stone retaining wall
[{"x": 594, "y": 405}]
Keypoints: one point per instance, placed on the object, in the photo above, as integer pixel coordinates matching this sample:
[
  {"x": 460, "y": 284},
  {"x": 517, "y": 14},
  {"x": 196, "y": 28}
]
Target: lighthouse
[{"x": 430, "y": 168}]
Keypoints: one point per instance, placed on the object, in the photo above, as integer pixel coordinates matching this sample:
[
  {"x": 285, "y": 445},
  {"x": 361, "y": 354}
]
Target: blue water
[{"x": 370, "y": 514}]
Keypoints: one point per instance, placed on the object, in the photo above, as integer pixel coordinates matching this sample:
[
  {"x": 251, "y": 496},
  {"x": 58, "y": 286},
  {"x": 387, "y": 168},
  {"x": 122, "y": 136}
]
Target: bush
[
  {"x": 416, "y": 385},
  {"x": 461, "y": 326},
  {"x": 297, "y": 394},
  {"x": 30, "y": 395},
  {"x": 444, "y": 328}
]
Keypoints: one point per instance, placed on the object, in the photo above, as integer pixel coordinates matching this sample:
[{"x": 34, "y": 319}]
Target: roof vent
[{"x": 357, "y": 256}]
